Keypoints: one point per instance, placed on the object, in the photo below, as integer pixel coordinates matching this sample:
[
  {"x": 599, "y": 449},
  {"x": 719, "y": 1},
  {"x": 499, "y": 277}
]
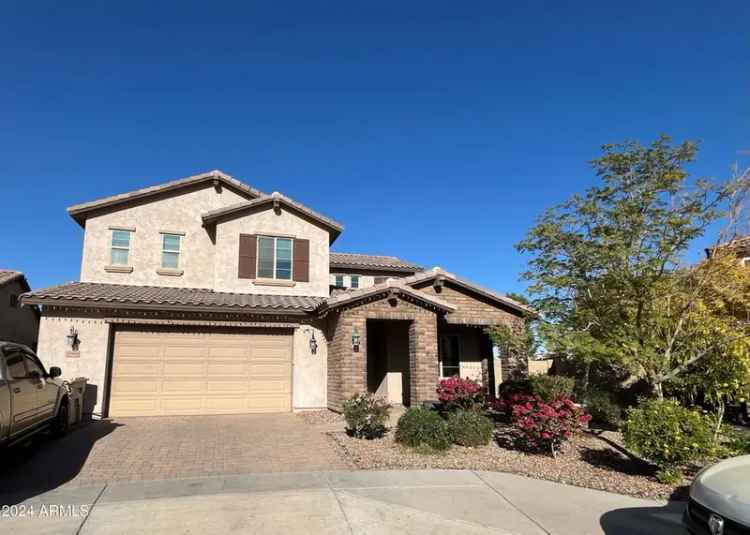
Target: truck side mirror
[{"x": 54, "y": 371}]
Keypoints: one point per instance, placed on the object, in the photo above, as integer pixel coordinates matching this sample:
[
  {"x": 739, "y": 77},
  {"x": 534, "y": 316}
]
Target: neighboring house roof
[
  {"x": 100, "y": 295},
  {"x": 394, "y": 286},
  {"x": 8, "y": 275},
  {"x": 334, "y": 227},
  {"x": 439, "y": 273},
  {"x": 372, "y": 262},
  {"x": 79, "y": 211}
]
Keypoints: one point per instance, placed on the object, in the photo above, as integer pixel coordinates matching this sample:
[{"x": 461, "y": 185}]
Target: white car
[{"x": 719, "y": 501}]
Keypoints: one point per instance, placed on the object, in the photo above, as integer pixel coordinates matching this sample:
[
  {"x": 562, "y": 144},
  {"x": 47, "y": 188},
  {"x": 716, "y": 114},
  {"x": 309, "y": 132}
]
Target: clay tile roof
[
  {"x": 8, "y": 275},
  {"x": 91, "y": 294},
  {"x": 333, "y": 226},
  {"x": 437, "y": 272},
  {"x": 79, "y": 211},
  {"x": 390, "y": 285},
  {"x": 372, "y": 262}
]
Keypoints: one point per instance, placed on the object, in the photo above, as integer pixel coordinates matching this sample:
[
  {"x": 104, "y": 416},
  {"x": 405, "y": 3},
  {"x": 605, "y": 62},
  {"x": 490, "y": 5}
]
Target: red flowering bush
[
  {"x": 547, "y": 425},
  {"x": 457, "y": 393}
]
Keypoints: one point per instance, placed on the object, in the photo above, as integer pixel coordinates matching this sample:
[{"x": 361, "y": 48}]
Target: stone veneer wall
[{"x": 347, "y": 370}]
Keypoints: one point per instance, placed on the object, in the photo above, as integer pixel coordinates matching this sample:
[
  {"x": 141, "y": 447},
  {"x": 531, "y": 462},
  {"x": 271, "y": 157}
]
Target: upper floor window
[
  {"x": 170, "y": 251},
  {"x": 339, "y": 281},
  {"x": 274, "y": 258},
  {"x": 746, "y": 261},
  {"x": 120, "y": 247},
  {"x": 354, "y": 281}
]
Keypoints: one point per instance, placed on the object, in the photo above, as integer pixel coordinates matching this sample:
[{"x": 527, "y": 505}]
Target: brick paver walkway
[{"x": 172, "y": 447}]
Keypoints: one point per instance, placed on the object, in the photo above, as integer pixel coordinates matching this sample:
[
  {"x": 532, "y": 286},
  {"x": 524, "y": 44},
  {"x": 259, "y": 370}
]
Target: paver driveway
[{"x": 171, "y": 447}]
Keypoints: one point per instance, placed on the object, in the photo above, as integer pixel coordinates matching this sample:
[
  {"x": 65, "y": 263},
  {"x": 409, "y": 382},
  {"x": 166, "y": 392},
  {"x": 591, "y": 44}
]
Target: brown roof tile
[
  {"x": 372, "y": 262},
  {"x": 90, "y": 294},
  {"x": 8, "y": 275}
]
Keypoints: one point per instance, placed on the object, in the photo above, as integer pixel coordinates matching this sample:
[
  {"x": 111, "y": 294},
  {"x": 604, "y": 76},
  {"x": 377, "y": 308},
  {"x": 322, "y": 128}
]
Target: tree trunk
[
  {"x": 658, "y": 391},
  {"x": 720, "y": 409}
]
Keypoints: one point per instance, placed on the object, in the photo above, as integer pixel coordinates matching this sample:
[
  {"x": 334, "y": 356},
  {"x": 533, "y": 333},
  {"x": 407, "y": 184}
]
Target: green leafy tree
[{"x": 608, "y": 272}]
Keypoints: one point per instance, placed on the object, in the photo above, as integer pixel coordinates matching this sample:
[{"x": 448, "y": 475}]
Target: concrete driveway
[
  {"x": 128, "y": 449},
  {"x": 417, "y": 502}
]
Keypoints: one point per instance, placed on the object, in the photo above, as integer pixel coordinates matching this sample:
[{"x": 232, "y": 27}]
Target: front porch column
[{"x": 423, "y": 358}]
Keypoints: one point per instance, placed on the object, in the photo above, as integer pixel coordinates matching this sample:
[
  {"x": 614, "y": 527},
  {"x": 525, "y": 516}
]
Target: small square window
[
  {"x": 355, "y": 281},
  {"x": 120, "y": 247},
  {"x": 339, "y": 281},
  {"x": 170, "y": 251},
  {"x": 746, "y": 261}
]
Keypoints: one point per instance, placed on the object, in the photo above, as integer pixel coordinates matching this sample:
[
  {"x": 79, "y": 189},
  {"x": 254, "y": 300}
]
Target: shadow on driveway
[
  {"x": 664, "y": 520},
  {"x": 44, "y": 463}
]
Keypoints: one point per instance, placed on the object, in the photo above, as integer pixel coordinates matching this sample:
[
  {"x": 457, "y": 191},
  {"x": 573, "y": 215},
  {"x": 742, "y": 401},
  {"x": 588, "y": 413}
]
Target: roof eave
[{"x": 78, "y": 303}]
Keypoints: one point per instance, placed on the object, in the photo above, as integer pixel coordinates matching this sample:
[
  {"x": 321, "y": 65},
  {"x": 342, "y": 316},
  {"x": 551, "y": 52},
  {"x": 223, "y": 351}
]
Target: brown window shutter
[
  {"x": 301, "y": 271},
  {"x": 248, "y": 254}
]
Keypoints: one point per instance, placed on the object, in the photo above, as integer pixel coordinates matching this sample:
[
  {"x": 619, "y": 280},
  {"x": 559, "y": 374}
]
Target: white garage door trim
[{"x": 162, "y": 371}]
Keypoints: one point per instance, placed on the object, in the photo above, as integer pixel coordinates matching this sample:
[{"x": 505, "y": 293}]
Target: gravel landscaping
[
  {"x": 591, "y": 460},
  {"x": 322, "y": 417}
]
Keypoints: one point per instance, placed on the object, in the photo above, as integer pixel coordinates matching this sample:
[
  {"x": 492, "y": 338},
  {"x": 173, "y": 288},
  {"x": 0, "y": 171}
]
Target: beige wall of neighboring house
[
  {"x": 268, "y": 221},
  {"x": 17, "y": 324},
  {"x": 177, "y": 212}
]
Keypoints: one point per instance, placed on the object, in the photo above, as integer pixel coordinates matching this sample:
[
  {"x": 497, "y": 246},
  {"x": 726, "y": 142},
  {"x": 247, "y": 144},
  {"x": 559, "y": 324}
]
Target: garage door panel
[
  {"x": 137, "y": 386},
  {"x": 173, "y": 371},
  {"x": 184, "y": 367},
  {"x": 234, "y": 368},
  {"x": 140, "y": 367},
  {"x": 170, "y": 386},
  {"x": 227, "y": 387},
  {"x": 179, "y": 351}
]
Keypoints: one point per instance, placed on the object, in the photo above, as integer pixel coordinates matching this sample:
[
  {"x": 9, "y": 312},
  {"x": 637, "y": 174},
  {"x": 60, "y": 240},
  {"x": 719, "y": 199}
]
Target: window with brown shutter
[
  {"x": 248, "y": 254},
  {"x": 301, "y": 258}
]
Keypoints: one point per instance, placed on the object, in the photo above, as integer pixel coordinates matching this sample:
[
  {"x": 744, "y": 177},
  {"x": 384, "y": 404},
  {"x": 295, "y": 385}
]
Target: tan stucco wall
[
  {"x": 17, "y": 324},
  {"x": 269, "y": 221},
  {"x": 92, "y": 362},
  {"x": 309, "y": 375},
  {"x": 366, "y": 277},
  {"x": 179, "y": 212}
]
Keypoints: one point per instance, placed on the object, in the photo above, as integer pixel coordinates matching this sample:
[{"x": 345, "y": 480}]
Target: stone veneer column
[{"x": 423, "y": 358}]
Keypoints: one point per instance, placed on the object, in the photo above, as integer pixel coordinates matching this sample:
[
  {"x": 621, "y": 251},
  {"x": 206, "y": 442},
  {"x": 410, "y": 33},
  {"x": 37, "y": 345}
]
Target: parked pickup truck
[{"x": 31, "y": 399}]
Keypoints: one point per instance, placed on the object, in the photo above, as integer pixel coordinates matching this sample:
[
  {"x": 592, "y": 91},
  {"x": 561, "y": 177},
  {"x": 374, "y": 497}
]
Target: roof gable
[
  {"x": 391, "y": 287},
  {"x": 8, "y": 275},
  {"x": 274, "y": 200},
  {"x": 437, "y": 274},
  {"x": 80, "y": 212}
]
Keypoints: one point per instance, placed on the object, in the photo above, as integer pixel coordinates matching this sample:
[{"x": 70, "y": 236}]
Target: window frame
[
  {"x": 745, "y": 261},
  {"x": 444, "y": 341},
  {"x": 336, "y": 280},
  {"x": 275, "y": 239},
  {"x": 113, "y": 247},
  {"x": 164, "y": 250},
  {"x": 353, "y": 278}
]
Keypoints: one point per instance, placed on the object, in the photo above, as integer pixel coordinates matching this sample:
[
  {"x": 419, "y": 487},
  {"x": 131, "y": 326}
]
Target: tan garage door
[{"x": 163, "y": 371}]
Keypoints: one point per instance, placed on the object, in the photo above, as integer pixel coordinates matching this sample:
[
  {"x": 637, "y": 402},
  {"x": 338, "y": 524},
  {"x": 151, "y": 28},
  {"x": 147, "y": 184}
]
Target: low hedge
[
  {"x": 423, "y": 428},
  {"x": 468, "y": 428}
]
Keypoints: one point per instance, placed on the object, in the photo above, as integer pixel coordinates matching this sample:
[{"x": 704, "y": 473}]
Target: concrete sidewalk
[{"x": 359, "y": 502}]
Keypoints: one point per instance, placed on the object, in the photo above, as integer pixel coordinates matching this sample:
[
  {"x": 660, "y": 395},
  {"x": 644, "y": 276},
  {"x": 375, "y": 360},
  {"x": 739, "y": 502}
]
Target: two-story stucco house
[{"x": 206, "y": 296}]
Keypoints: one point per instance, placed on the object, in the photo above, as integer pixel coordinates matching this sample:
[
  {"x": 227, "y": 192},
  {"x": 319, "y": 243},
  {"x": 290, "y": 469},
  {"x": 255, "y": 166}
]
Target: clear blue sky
[{"x": 435, "y": 131}]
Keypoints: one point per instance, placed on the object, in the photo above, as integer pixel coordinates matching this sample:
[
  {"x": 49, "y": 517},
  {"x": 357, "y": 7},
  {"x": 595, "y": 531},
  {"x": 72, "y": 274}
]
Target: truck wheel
[{"x": 61, "y": 422}]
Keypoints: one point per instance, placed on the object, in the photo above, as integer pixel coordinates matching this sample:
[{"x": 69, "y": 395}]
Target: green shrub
[
  {"x": 421, "y": 427},
  {"x": 668, "y": 434},
  {"x": 467, "y": 428},
  {"x": 669, "y": 476},
  {"x": 603, "y": 409},
  {"x": 366, "y": 415},
  {"x": 551, "y": 387},
  {"x": 736, "y": 443}
]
